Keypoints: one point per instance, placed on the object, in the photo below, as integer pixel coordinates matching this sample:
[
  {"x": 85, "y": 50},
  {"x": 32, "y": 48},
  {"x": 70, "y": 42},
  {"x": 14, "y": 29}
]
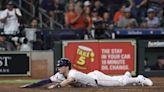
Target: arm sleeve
[
  {"x": 57, "y": 77},
  {"x": 72, "y": 73},
  {"x": 18, "y": 12}
]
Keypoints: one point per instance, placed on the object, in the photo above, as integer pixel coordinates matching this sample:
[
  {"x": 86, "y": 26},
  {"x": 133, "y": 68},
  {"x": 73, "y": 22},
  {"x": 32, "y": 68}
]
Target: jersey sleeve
[
  {"x": 18, "y": 12},
  {"x": 57, "y": 77},
  {"x": 72, "y": 73}
]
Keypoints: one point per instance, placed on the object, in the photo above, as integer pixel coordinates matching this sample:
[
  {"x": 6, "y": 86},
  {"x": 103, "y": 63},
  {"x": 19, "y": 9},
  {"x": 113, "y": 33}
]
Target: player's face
[
  {"x": 62, "y": 69},
  {"x": 2, "y": 38},
  {"x": 10, "y": 7}
]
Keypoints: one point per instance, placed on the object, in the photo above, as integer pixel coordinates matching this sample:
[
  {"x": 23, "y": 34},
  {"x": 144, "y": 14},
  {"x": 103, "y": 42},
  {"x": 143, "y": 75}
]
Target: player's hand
[
  {"x": 51, "y": 87},
  {"x": 56, "y": 86},
  {"x": 24, "y": 86}
]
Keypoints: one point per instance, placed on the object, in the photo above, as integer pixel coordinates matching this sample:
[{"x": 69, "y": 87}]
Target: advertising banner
[
  {"x": 14, "y": 64},
  {"x": 109, "y": 57}
]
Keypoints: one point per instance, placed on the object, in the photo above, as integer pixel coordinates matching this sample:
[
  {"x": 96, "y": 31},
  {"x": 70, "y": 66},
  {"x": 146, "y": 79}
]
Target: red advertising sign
[{"x": 110, "y": 57}]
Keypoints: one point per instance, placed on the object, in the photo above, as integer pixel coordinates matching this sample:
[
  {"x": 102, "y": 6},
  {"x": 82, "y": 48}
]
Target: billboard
[
  {"x": 109, "y": 57},
  {"x": 15, "y": 64}
]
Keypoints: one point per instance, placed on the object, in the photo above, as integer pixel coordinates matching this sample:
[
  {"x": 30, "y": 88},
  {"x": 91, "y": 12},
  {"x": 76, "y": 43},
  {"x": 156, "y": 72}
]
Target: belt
[{"x": 96, "y": 81}]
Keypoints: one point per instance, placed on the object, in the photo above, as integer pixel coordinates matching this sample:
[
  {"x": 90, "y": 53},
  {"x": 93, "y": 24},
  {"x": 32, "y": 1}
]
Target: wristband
[{"x": 57, "y": 86}]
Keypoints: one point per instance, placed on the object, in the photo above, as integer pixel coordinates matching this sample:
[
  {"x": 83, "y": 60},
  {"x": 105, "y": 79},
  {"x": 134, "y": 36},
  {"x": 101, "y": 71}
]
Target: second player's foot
[{"x": 144, "y": 81}]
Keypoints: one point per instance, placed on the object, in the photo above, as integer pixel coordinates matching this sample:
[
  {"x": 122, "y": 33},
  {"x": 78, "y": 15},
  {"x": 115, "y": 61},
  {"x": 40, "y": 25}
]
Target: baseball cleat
[
  {"x": 128, "y": 74},
  {"x": 144, "y": 81}
]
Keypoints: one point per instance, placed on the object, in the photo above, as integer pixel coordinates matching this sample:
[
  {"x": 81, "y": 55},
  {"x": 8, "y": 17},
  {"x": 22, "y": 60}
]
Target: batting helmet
[{"x": 64, "y": 62}]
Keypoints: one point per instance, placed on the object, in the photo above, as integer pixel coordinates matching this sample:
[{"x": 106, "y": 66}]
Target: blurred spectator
[
  {"x": 30, "y": 33},
  {"x": 151, "y": 21},
  {"x": 87, "y": 12},
  {"x": 95, "y": 20},
  {"x": 127, "y": 21},
  {"x": 104, "y": 27},
  {"x": 4, "y": 44},
  {"x": 138, "y": 8},
  {"x": 67, "y": 5},
  {"x": 99, "y": 7},
  {"x": 35, "y": 23},
  {"x": 114, "y": 5},
  {"x": 107, "y": 24},
  {"x": 69, "y": 15},
  {"x": 95, "y": 16},
  {"x": 158, "y": 6},
  {"x": 79, "y": 22},
  {"x": 146, "y": 66},
  {"x": 34, "y": 35},
  {"x": 88, "y": 17},
  {"x": 10, "y": 17},
  {"x": 74, "y": 17},
  {"x": 159, "y": 65},
  {"x": 119, "y": 14},
  {"x": 107, "y": 21}
]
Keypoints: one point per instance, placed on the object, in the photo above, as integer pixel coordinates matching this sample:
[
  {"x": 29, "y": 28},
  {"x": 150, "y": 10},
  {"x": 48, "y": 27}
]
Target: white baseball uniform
[
  {"x": 81, "y": 79},
  {"x": 95, "y": 78}
]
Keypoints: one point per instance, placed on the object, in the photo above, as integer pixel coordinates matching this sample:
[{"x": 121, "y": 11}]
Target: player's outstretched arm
[
  {"x": 63, "y": 83},
  {"x": 36, "y": 84}
]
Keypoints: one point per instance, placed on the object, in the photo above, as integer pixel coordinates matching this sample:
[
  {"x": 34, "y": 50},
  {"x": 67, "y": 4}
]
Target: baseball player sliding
[{"x": 67, "y": 76}]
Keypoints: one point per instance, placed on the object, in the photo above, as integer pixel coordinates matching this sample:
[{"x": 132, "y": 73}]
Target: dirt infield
[{"x": 158, "y": 87}]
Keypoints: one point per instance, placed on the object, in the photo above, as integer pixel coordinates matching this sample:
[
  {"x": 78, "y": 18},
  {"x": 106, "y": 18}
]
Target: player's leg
[
  {"x": 126, "y": 74},
  {"x": 137, "y": 80},
  {"x": 37, "y": 84},
  {"x": 122, "y": 80},
  {"x": 105, "y": 80}
]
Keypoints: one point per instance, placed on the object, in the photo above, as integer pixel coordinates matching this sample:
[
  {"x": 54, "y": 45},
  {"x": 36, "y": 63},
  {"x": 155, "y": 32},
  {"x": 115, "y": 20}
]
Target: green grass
[{"x": 17, "y": 81}]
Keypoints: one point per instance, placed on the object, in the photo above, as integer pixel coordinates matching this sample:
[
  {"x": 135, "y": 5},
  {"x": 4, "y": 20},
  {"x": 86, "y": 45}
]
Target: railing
[
  {"x": 26, "y": 13},
  {"x": 30, "y": 5},
  {"x": 42, "y": 13}
]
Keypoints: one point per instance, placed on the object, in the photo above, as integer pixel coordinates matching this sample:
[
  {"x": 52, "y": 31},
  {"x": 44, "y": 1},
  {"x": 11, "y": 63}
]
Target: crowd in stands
[
  {"x": 86, "y": 15},
  {"x": 89, "y": 19}
]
